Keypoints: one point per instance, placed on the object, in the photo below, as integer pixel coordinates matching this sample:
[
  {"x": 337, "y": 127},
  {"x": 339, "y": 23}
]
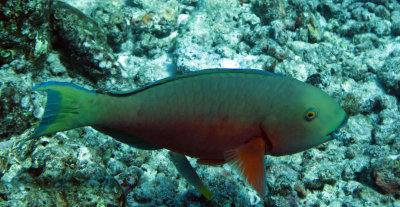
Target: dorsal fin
[{"x": 193, "y": 74}]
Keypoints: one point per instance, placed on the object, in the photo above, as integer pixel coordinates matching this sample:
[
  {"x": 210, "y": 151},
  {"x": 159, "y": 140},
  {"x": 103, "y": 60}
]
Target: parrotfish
[{"x": 216, "y": 115}]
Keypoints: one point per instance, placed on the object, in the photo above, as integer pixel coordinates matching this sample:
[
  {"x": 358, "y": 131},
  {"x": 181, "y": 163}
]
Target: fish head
[{"x": 308, "y": 117}]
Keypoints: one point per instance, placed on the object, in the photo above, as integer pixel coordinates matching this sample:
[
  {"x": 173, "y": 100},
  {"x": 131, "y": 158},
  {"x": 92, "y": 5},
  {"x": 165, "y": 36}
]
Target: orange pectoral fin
[{"x": 249, "y": 159}]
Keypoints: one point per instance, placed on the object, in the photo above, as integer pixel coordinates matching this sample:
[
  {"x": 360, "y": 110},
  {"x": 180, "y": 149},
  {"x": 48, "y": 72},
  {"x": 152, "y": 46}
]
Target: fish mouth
[{"x": 336, "y": 133}]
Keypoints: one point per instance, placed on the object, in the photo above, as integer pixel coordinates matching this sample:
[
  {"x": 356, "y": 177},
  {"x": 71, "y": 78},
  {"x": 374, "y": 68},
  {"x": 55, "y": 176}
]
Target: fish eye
[{"x": 311, "y": 114}]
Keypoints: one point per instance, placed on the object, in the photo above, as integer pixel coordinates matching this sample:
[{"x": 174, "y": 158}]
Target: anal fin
[
  {"x": 186, "y": 170},
  {"x": 249, "y": 160}
]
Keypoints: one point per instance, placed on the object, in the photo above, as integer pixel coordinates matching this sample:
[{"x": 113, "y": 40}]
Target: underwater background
[{"x": 348, "y": 48}]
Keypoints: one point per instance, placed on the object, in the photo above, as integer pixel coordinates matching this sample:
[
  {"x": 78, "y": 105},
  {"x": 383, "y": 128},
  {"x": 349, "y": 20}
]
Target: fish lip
[{"x": 335, "y": 133}]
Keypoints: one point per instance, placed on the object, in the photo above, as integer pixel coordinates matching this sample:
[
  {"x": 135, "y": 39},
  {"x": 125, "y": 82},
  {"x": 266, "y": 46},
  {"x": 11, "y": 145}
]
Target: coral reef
[
  {"x": 82, "y": 44},
  {"x": 24, "y": 31},
  {"x": 350, "y": 49}
]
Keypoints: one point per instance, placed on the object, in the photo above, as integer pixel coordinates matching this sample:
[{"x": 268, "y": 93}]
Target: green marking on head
[{"x": 305, "y": 121}]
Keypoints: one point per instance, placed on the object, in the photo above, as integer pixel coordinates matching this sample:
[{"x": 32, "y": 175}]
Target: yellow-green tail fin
[{"x": 65, "y": 107}]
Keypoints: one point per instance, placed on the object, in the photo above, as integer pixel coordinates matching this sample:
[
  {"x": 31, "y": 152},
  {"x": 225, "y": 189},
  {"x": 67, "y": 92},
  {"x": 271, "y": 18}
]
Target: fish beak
[
  {"x": 333, "y": 135},
  {"x": 336, "y": 133}
]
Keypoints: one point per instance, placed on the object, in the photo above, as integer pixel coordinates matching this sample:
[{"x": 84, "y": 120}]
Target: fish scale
[{"x": 216, "y": 115}]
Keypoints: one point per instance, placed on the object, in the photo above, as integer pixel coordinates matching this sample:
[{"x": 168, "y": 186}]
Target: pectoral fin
[
  {"x": 249, "y": 160},
  {"x": 186, "y": 170}
]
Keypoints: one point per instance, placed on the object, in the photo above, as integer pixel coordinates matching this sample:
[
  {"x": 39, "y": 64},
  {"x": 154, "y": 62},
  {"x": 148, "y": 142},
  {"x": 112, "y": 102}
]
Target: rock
[
  {"x": 24, "y": 31},
  {"x": 82, "y": 44},
  {"x": 390, "y": 73},
  {"x": 386, "y": 172},
  {"x": 395, "y": 23}
]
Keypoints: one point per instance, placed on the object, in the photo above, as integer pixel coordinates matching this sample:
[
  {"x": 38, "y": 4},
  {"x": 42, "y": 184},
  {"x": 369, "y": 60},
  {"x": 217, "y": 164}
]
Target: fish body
[
  {"x": 201, "y": 116},
  {"x": 217, "y": 115}
]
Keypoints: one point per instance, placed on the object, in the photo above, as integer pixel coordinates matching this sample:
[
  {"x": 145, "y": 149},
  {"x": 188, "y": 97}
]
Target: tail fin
[{"x": 66, "y": 107}]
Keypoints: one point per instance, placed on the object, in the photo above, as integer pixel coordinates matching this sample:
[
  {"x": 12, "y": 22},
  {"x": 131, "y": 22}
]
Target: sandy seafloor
[{"x": 348, "y": 48}]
